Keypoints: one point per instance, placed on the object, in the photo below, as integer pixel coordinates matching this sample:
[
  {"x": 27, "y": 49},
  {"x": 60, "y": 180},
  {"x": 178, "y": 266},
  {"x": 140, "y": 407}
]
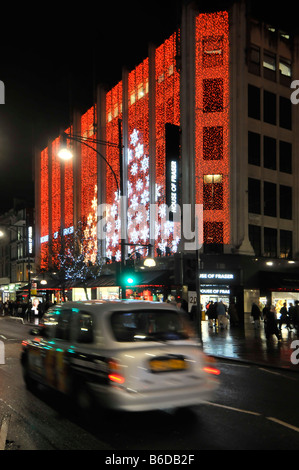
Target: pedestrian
[
  {"x": 271, "y": 323},
  {"x": 296, "y": 317},
  {"x": 182, "y": 304},
  {"x": 212, "y": 314},
  {"x": 35, "y": 312},
  {"x": 284, "y": 316},
  {"x": 256, "y": 315},
  {"x": 221, "y": 315},
  {"x": 233, "y": 314},
  {"x": 291, "y": 313}
]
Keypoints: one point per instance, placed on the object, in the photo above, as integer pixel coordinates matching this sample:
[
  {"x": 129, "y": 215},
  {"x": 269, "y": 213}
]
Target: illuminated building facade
[{"x": 212, "y": 84}]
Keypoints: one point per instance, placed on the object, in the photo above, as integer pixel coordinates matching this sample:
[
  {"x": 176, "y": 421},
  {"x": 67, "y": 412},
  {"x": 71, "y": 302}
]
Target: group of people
[
  {"x": 218, "y": 314},
  {"x": 272, "y": 325},
  {"x": 31, "y": 311}
]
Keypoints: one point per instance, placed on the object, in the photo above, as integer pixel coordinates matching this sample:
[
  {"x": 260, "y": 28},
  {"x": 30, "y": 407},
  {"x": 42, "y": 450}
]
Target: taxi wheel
[
  {"x": 29, "y": 382},
  {"x": 83, "y": 399}
]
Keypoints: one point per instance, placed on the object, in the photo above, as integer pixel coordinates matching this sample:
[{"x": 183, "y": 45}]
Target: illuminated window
[
  {"x": 212, "y": 192},
  {"x": 212, "y": 95},
  {"x": 285, "y": 67},
  {"x": 213, "y": 143},
  {"x": 269, "y": 61}
]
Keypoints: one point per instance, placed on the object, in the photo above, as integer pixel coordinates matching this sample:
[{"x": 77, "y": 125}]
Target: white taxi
[{"x": 127, "y": 355}]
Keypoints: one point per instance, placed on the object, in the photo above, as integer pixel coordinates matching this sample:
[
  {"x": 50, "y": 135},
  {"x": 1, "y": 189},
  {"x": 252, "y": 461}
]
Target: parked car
[{"x": 127, "y": 355}]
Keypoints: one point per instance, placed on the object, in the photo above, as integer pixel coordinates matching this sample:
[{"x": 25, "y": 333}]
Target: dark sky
[{"x": 51, "y": 55}]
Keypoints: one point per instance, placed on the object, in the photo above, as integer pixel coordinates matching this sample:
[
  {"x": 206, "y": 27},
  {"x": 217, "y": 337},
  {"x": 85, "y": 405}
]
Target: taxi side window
[
  {"x": 63, "y": 327},
  {"x": 85, "y": 332}
]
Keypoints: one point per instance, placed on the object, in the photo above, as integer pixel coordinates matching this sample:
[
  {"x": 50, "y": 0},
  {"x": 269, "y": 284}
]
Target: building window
[
  {"x": 254, "y": 148},
  {"x": 286, "y": 244},
  {"x": 269, "y": 107},
  {"x": 212, "y": 55},
  {"x": 269, "y": 65},
  {"x": 285, "y": 113},
  {"x": 254, "y": 60},
  {"x": 269, "y": 153},
  {"x": 285, "y": 157},
  {"x": 213, "y": 237},
  {"x": 254, "y": 196},
  {"x": 255, "y": 239},
  {"x": 254, "y": 102},
  {"x": 270, "y": 242},
  {"x": 212, "y": 95},
  {"x": 270, "y": 199},
  {"x": 285, "y": 67},
  {"x": 285, "y": 202},
  {"x": 212, "y": 192},
  {"x": 213, "y": 143}
]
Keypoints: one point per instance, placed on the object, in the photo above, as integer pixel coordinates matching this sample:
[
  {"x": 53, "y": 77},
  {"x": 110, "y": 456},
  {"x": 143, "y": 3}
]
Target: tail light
[
  {"x": 210, "y": 366},
  {"x": 211, "y": 370},
  {"x": 114, "y": 374}
]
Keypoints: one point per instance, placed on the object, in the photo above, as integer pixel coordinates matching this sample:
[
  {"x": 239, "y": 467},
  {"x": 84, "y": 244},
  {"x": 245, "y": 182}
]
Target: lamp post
[{"x": 66, "y": 154}]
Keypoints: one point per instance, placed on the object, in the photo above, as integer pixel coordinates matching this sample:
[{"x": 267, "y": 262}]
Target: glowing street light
[{"x": 65, "y": 154}]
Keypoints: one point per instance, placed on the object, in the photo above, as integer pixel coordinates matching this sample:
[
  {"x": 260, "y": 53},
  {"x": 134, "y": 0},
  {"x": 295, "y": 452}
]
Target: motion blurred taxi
[{"x": 126, "y": 355}]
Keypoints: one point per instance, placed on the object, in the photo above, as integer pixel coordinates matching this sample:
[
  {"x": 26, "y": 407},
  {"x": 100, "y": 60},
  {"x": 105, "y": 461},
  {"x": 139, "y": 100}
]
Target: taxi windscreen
[{"x": 149, "y": 325}]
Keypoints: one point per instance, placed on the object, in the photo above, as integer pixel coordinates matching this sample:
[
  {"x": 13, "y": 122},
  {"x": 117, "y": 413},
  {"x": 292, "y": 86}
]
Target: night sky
[{"x": 50, "y": 57}]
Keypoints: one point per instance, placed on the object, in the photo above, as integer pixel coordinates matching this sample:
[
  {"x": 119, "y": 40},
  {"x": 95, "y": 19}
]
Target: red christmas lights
[
  {"x": 44, "y": 208},
  {"x": 167, "y": 110},
  {"x": 211, "y": 149},
  {"x": 212, "y": 124}
]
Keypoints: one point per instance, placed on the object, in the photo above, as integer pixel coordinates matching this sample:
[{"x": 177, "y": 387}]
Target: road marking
[
  {"x": 287, "y": 425},
  {"x": 2, "y": 336},
  {"x": 270, "y": 371},
  {"x": 278, "y": 373},
  {"x": 4, "y": 431},
  {"x": 233, "y": 409}
]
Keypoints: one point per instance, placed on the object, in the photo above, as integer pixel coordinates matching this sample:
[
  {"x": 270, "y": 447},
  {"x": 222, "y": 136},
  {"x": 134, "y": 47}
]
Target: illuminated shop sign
[
  {"x": 216, "y": 276},
  {"x": 172, "y": 133},
  {"x": 30, "y": 240},
  {"x": 215, "y": 291},
  {"x": 220, "y": 278}
]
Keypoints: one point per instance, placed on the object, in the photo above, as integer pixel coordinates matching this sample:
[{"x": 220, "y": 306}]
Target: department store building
[{"x": 205, "y": 121}]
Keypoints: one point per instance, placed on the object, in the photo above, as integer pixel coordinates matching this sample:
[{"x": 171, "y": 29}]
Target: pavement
[
  {"x": 248, "y": 345},
  {"x": 245, "y": 344}
]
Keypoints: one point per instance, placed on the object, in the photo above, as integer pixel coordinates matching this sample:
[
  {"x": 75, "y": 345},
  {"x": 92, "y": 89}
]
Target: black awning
[
  {"x": 278, "y": 280},
  {"x": 154, "y": 278}
]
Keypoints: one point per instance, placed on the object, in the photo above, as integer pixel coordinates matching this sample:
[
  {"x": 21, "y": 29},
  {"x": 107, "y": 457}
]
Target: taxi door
[{"x": 56, "y": 356}]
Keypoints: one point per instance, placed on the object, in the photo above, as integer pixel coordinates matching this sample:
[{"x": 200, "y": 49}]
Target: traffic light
[
  {"x": 126, "y": 276},
  {"x": 190, "y": 270},
  {"x": 130, "y": 278}
]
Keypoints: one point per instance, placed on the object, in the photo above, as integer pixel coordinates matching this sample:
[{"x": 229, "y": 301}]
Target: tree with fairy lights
[{"x": 77, "y": 258}]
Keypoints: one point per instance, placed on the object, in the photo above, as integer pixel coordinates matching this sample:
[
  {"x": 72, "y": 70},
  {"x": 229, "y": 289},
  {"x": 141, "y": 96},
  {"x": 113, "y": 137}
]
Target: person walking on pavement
[
  {"x": 211, "y": 314},
  {"x": 296, "y": 317},
  {"x": 256, "y": 315},
  {"x": 221, "y": 315},
  {"x": 284, "y": 317},
  {"x": 233, "y": 314},
  {"x": 271, "y": 323}
]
